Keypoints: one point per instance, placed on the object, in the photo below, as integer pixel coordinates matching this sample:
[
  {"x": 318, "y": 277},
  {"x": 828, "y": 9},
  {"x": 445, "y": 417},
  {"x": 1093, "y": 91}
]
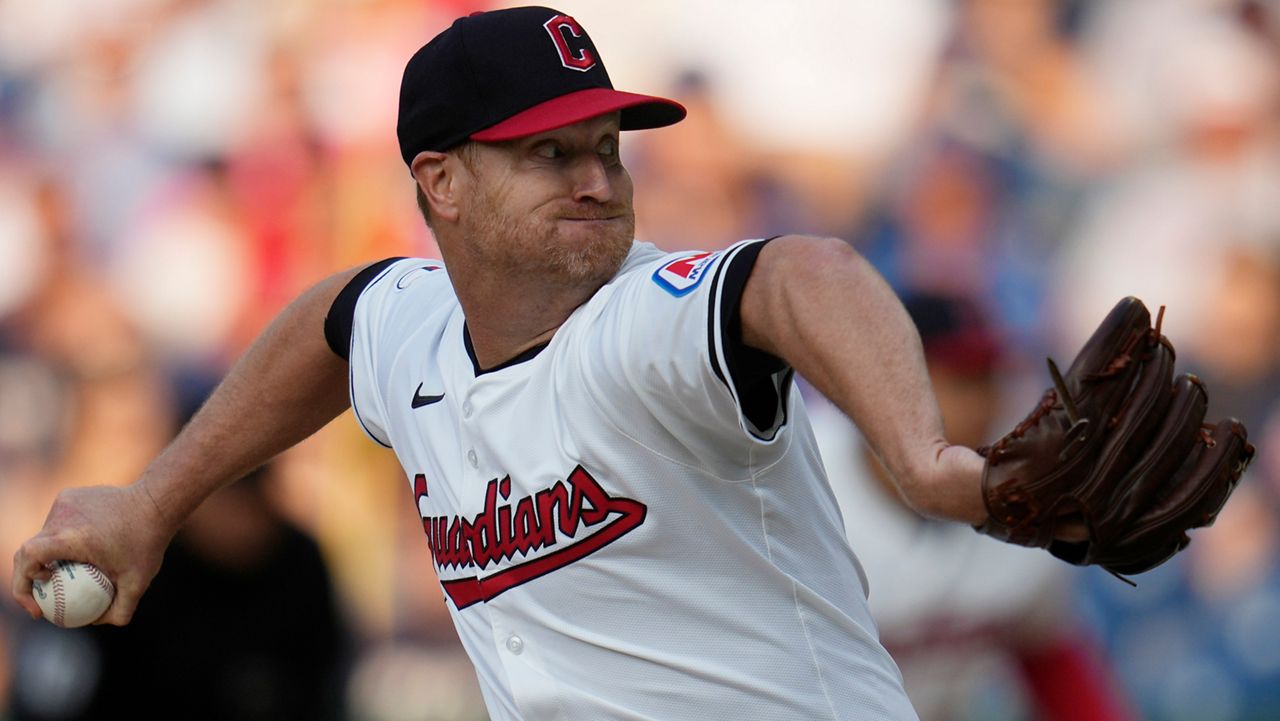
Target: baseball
[{"x": 77, "y": 594}]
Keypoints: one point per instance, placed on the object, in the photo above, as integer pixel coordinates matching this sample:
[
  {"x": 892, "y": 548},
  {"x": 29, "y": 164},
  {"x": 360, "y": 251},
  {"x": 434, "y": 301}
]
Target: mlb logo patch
[{"x": 681, "y": 276}]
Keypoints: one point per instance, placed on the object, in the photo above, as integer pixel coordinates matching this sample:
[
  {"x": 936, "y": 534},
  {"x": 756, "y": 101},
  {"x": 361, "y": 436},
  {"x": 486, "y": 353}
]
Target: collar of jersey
[{"x": 524, "y": 355}]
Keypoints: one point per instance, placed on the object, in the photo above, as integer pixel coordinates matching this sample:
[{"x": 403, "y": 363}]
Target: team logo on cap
[
  {"x": 571, "y": 42},
  {"x": 682, "y": 275}
]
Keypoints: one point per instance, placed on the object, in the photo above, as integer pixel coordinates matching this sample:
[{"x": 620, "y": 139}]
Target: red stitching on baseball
[
  {"x": 101, "y": 579},
  {"x": 59, "y": 600}
]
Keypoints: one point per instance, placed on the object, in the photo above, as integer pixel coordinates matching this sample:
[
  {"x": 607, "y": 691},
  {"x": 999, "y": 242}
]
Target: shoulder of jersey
[
  {"x": 679, "y": 274},
  {"x": 413, "y": 273}
]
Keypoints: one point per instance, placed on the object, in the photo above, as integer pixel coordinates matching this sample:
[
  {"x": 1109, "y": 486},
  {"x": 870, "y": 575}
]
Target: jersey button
[
  {"x": 467, "y": 408},
  {"x": 471, "y": 458},
  {"x": 515, "y": 644}
]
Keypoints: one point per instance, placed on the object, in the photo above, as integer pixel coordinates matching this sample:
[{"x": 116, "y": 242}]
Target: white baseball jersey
[{"x": 617, "y": 534}]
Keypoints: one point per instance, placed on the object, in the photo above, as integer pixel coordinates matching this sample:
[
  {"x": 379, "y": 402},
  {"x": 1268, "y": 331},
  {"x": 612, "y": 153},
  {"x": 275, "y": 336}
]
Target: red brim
[{"x": 638, "y": 113}]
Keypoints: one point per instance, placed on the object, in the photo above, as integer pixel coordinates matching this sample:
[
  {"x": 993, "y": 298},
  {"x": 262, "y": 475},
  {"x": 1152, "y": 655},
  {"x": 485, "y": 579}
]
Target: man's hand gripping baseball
[{"x": 119, "y": 530}]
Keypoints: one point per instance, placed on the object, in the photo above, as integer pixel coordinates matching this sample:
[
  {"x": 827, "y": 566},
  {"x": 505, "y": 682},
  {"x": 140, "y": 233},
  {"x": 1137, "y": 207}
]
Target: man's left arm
[{"x": 818, "y": 305}]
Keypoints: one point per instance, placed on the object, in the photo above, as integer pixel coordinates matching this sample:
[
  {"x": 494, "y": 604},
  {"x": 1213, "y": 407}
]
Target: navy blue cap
[{"x": 508, "y": 74}]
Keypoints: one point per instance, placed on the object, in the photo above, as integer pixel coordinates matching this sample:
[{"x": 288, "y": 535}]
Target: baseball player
[{"x": 618, "y": 485}]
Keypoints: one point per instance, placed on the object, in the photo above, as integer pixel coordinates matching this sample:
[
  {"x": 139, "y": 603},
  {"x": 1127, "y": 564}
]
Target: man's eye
[
  {"x": 549, "y": 151},
  {"x": 608, "y": 148}
]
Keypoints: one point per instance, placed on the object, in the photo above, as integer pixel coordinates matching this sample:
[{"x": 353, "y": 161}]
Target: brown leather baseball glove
[{"x": 1119, "y": 447}]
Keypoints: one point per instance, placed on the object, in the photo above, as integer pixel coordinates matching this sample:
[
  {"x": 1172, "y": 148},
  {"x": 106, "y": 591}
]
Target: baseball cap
[{"x": 508, "y": 74}]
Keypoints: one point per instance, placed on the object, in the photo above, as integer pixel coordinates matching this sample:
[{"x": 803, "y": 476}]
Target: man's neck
[{"x": 508, "y": 314}]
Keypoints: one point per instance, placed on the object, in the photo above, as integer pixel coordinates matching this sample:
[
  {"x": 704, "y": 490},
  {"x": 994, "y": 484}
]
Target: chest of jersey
[
  {"x": 606, "y": 534},
  {"x": 503, "y": 480}
]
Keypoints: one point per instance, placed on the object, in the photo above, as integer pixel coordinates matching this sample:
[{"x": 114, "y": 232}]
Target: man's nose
[{"x": 591, "y": 179}]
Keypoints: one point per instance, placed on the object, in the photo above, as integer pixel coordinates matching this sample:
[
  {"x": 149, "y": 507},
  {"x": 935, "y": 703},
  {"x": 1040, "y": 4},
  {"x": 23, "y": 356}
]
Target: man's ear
[{"x": 436, "y": 174}]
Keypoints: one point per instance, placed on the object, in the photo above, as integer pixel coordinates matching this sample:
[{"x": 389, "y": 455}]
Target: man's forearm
[
  {"x": 817, "y": 304},
  {"x": 286, "y": 386}
]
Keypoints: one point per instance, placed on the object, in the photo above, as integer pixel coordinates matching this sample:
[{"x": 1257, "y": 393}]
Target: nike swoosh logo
[{"x": 420, "y": 400}]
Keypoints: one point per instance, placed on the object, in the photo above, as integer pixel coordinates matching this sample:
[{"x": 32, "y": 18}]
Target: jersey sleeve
[
  {"x": 386, "y": 308},
  {"x": 758, "y": 381},
  {"x": 674, "y": 351},
  {"x": 337, "y": 322}
]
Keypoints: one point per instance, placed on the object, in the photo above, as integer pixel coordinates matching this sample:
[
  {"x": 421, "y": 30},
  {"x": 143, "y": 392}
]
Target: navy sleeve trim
[
  {"x": 752, "y": 371},
  {"x": 338, "y": 322}
]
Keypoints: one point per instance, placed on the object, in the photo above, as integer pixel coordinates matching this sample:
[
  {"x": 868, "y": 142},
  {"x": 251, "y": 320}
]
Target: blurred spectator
[
  {"x": 1236, "y": 347},
  {"x": 1198, "y": 638},
  {"x": 700, "y": 185},
  {"x": 979, "y": 628},
  {"x": 1203, "y": 92},
  {"x": 220, "y": 43},
  {"x": 80, "y": 401},
  {"x": 691, "y": 180},
  {"x": 954, "y": 224},
  {"x": 1016, "y": 85},
  {"x": 183, "y": 276},
  {"x": 980, "y": 199}
]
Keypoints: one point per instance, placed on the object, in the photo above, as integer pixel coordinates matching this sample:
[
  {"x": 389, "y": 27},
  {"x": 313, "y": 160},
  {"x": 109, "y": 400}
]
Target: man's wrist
[
  {"x": 947, "y": 484},
  {"x": 166, "y": 508}
]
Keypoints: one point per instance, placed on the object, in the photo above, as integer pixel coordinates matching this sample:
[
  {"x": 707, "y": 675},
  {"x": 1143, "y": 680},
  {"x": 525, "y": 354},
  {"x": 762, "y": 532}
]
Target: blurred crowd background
[{"x": 172, "y": 172}]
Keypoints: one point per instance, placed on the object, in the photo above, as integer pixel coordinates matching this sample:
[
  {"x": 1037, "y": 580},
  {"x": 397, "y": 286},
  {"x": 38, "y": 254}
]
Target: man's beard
[{"x": 530, "y": 245}]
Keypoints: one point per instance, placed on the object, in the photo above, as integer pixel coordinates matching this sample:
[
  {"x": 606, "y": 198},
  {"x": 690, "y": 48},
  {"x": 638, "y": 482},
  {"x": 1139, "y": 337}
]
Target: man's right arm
[{"x": 284, "y": 388}]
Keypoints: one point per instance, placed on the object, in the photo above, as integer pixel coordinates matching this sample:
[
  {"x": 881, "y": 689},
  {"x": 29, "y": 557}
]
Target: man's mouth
[{"x": 593, "y": 219}]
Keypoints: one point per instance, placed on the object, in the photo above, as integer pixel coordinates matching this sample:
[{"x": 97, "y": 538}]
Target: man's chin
[{"x": 594, "y": 261}]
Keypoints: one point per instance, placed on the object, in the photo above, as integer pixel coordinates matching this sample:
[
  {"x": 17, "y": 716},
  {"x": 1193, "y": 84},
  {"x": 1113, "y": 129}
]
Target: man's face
[{"x": 557, "y": 203}]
